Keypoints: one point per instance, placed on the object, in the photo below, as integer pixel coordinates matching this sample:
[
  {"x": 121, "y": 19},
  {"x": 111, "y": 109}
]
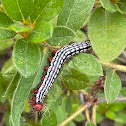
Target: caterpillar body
[{"x": 60, "y": 56}]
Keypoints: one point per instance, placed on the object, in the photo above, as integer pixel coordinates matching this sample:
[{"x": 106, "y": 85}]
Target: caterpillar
[{"x": 52, "y": 71}]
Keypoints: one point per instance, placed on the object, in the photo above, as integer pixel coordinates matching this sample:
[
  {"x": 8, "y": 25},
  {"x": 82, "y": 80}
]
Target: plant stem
[
  {"x": 36, "y": 117},
  {"x": 94, "y": 113},
  {"x": 55, "y": 47},
  {"x": 80, "y": 110},
  {"x": 102, "y": 100},
  {"x": 84, "y": 92},
  {"x": 87, "y": 115},
  {"x": 114, "y": 66}
]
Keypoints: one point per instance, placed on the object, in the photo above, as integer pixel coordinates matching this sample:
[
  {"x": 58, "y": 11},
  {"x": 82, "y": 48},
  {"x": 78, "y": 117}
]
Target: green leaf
[
  {"x": 123, "y": 91},
  {"x": 74, "y": 79},
  {"x": 71, "y": 123},
  {"x": 54, "y": 92},
  {"x": 18, "y": 10},
  {"x": 110, "y": 29},
  {"x": 80, "y": 36},
  {"x": 12, "y": 86},
  {"x": 89, "y": 124},
  {"x": 112, "y": 85},
  {"x": 122, "y": 5},
  {"x": 44, "y": 62},
  {"x": 7, "y": 65},
  {"x": 68, "y": 106},
  {"x": 99, "y": 117},
  {"x": 18, "y": 27},
  {"x": 117, "y": 106},
  {"x": 73, "y": 11},
  {"x": 108, "y": 5},
  {"x": 61, "y": 36},
  {"x": 87, "y": 64},
  {"x": 10, "y": 73},
  {"x": 49, "y": 119},
  {"x": 41, "y": 32},
  {"x": 60, "y": 112},
  {"x": 79, "y": 118},
  {"x": 45, "y": 10},
  {"x": 5, "y": 22},
  {"x": 4, "y": 44},
  {"x": 6, "y": 33},
  {"x": 55, "y": 104},
  {"x": 19, "y": 98},
  {"x": 26, "y": 57},
  {"x": 110, "y": 115},
  {"x": 2, "y": 86},
  {"x": 26, "y": 107}
]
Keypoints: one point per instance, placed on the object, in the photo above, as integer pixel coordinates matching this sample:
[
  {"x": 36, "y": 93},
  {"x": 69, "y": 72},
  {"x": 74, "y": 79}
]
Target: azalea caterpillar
[{"x": 52, "y": 71}]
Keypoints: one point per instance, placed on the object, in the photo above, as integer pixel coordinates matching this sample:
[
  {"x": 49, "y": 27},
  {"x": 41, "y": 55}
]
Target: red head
[{"x": 38, "y": 107}]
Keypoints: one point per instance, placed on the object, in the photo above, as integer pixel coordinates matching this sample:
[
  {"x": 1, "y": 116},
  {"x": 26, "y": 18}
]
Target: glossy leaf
[
  {"x": 73, "y": 11},
  {"x": 61, "y": 36},
  {"x": 5, "y": 22},
  {"x": 109, "y": 29},
  {"x": 49, "y": 119},
  {"x": 108, "y": 5},
  {"x": 18, "y": 9},
  {"x": 45, "y": 10},
  {"x": 87, "y": 64},
  {"x": 41, "y": 32},
  {"x": 112, "y": 86},
  {"x": 26, "y": 57}
]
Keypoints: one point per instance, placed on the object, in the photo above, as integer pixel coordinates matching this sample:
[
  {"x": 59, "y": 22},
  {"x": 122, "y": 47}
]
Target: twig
[
  {"x": 114, "y": 66},
  {"x": 102, "y": 100},
  {"x": 80, "y": 110},
  {"x": 87, "y": 115},
  {"x": 94, "y": 113},
  {"x": 84, "y": 92},
  {"x": 55, "y": 47},
  {"x": 36, "y": 117}
]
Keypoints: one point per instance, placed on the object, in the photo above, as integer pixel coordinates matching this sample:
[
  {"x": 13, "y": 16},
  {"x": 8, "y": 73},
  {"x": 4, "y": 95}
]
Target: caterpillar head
[{"x": 38, "y": 107}]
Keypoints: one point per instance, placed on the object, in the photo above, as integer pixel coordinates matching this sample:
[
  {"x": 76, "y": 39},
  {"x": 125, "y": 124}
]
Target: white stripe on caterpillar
[{"x": 56, "y": 64}]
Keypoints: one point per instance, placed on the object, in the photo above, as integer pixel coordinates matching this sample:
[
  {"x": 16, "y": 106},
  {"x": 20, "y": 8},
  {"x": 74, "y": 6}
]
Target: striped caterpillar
[{"x": 52, "y": 71}]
